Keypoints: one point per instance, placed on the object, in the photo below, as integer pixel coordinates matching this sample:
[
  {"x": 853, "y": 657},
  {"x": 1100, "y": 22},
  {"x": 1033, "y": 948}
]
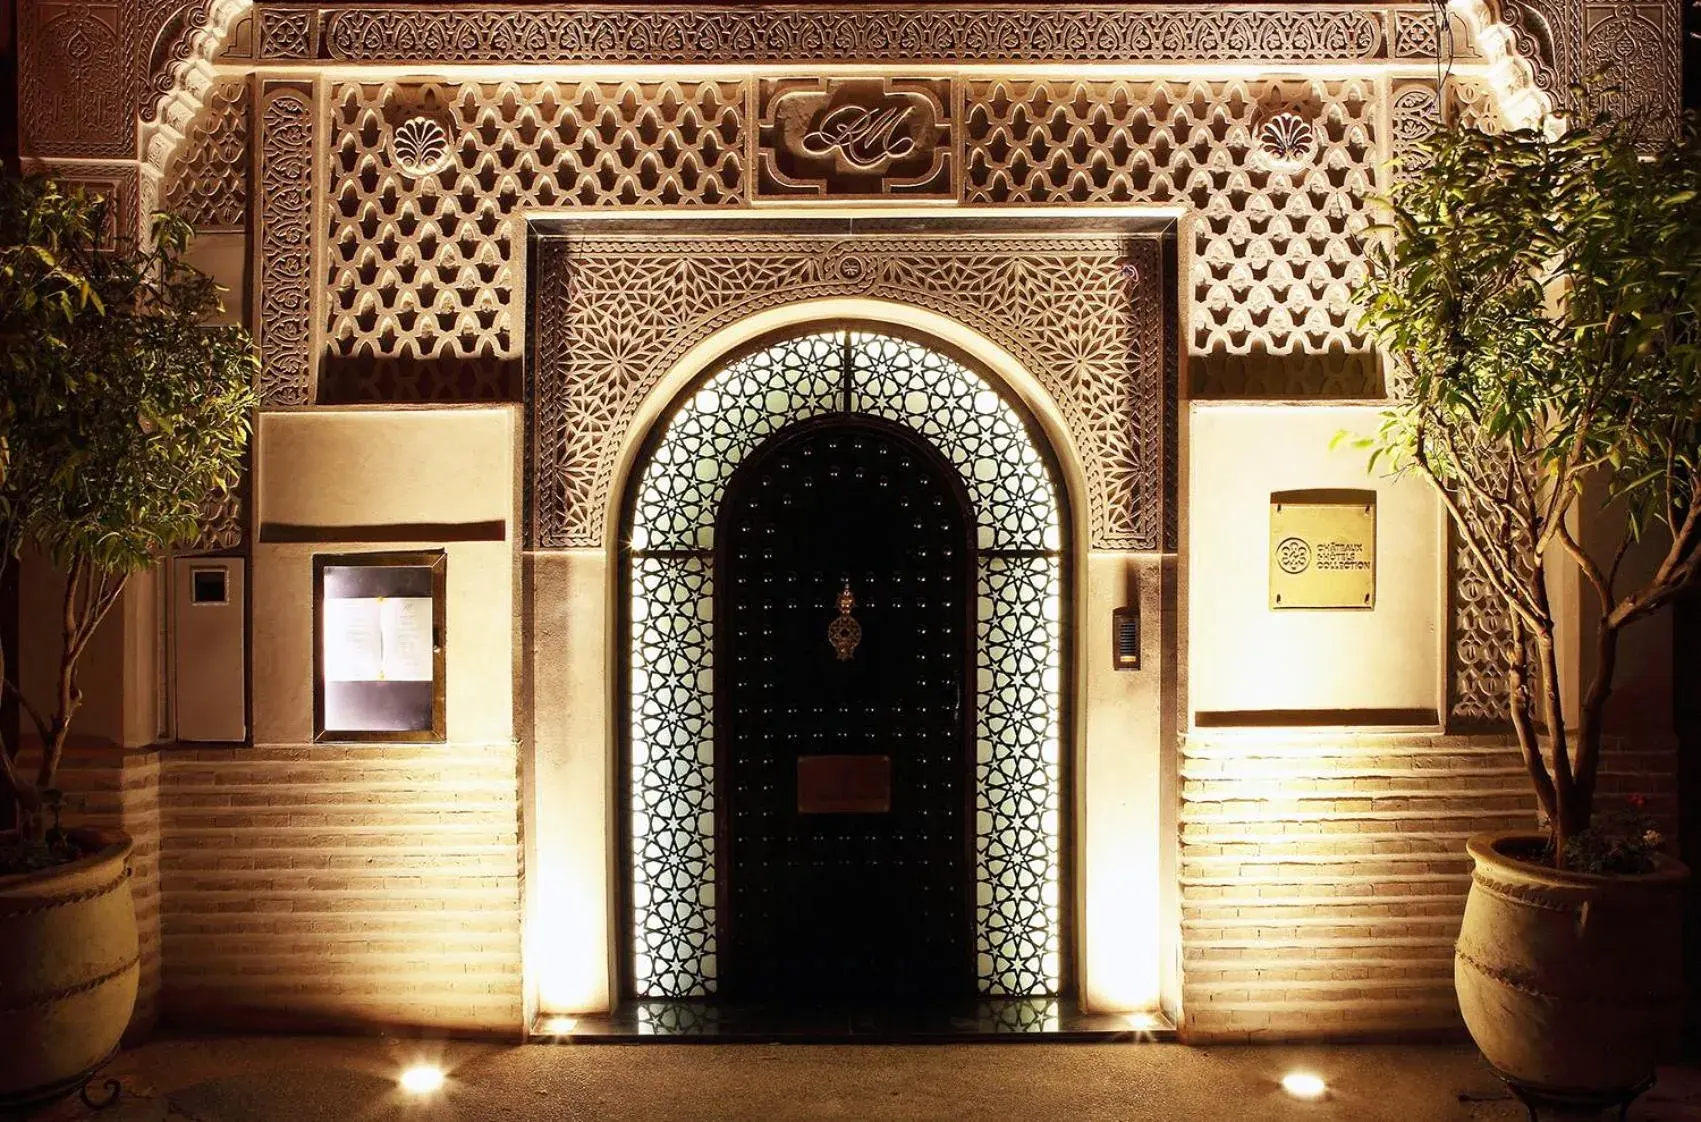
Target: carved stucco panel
[
  {"x": 90, "y": 71},
  {"x": 1083, "y": 314},
  {"x": 420, "y": 257},
  {"x": 1274, "y": 244},
  {"x": 284, "y": 174},
  {"x": 864, "y": 33},
  {"x": 208, "y": 181},
  {"x": 120, "y": 183},
  {"x": 73, "y": 97},
  {"x": 1638, "y": 46}
]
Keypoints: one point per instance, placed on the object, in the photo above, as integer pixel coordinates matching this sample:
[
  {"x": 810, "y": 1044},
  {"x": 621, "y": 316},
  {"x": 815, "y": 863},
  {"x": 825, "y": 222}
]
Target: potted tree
[
  {"x": 1539, "y": 298},
  {"x": 124, "y": 411}
]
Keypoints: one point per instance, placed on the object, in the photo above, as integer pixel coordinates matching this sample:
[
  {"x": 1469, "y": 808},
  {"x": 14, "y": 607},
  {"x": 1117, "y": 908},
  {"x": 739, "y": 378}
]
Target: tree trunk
[{"x": 1591, "y": 715}]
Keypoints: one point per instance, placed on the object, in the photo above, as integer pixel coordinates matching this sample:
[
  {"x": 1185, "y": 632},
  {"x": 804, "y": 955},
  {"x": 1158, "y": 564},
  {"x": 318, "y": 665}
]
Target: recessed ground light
[
  {"x": 1142, "y": 1022},
  {"x": 1304, "y": 1085},
  {"x": 422, "y": 1079},
  {"x": 560, "y": 1026}
]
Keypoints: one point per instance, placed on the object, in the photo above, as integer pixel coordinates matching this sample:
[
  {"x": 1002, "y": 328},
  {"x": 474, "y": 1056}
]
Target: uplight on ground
[
  {"x": 1304, "y": 1085},
  {"x": 422, "y": 1079}
]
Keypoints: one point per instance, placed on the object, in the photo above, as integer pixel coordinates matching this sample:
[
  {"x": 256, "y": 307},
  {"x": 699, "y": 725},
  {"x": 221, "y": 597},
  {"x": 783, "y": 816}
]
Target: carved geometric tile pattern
[
  {"x": 1018, "y": 644},
  {"x": 672, "y": 779},
  {"x": 421, "y": 267},
  {"x": 1274, "y": 259},
  {"x": 208, "y": 182},
  {"x": 1481, "y": 633},
  {"x": 1082, "y": 314},
  {"x": 959, "y": 414},
  {"x": 1016, "y": 771}
]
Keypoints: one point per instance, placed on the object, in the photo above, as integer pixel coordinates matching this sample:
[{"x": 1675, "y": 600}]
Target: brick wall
[
  {"x": 342, "y": 886},
  {"x": 118, "y": 789},
  {"x": 1323, "y": 876}
]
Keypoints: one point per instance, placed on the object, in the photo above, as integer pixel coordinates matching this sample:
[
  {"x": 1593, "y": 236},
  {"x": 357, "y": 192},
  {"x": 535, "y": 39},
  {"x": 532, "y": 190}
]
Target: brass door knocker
[{"x": 844, "y": 633}]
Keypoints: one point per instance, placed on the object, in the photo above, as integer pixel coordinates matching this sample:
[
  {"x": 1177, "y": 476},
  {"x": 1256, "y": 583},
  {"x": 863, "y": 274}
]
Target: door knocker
[{"x": 844, "y": 633}]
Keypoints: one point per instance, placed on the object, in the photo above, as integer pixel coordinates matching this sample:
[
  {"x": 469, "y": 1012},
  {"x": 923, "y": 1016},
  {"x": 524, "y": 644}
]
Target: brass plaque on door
[{"x": 844, "y": 784}]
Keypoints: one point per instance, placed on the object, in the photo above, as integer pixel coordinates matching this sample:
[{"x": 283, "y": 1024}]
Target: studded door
[{"x": 844, "y": 580}]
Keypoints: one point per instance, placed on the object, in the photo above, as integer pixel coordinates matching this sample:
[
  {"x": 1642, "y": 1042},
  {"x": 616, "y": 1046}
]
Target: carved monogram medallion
[{"x": 854, "y": 138}]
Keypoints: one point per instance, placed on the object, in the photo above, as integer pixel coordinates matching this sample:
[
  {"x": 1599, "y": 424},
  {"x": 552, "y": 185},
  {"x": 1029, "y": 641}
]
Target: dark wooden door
[{"x": 846, "y": 864}]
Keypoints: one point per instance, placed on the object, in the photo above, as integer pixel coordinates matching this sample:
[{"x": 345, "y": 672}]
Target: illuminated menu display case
[{"x": 378, "y": 646}]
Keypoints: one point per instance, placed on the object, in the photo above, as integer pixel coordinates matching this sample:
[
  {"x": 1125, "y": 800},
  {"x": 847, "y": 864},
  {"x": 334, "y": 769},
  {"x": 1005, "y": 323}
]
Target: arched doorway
[{"x": 905, "y": 398}]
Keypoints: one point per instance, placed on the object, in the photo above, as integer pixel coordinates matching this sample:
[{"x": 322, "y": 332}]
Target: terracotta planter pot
[
  {"x": 1571, "y": 983},
  {"x": 68, "y": 967}
]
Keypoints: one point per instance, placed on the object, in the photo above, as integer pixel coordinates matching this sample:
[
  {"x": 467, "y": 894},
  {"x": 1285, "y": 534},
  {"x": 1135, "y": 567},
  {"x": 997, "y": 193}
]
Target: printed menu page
[{"x": 378, "y": 639}]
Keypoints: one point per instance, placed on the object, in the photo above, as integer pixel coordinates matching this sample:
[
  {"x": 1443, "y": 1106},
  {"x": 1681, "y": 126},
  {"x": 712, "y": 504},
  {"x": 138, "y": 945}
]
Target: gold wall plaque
[{"x": 1323, "y": 549}]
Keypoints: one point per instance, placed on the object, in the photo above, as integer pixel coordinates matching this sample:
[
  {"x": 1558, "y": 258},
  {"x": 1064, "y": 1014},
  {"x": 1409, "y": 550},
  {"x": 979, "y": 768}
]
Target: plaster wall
[
  {"x": 119, "y": 670},
  {"x": 315, "y": 884},
  {"x": 1248, "y": 661}
]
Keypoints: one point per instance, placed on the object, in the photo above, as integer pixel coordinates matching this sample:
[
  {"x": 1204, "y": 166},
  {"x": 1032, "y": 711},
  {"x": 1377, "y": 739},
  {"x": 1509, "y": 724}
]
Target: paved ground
[{"x": 284, "y": 1079}]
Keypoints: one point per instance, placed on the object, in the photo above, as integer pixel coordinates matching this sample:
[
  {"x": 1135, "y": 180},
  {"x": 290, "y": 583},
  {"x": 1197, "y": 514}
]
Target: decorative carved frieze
[
  {"x": 284, "y": 175},
  {"x": 1414, "y": 112},
  {"x": 854, "y": 138},
  {"x": 208, "y": 183},
  {"x": 864, "y": 33},
  {"x": 1083, "y": 314}
]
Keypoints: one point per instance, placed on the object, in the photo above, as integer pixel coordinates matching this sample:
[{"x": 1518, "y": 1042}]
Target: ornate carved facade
[
  {"x": 420, "y": 265},
  {"x": 1082, "y": 312},
  {"x": 208, "y": 181},
  {"x": 1147, "y": 206}
]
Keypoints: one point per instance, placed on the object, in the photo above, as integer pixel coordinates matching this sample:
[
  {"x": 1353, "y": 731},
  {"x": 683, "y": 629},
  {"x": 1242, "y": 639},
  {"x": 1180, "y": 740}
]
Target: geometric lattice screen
[{"x": 1018, "y": 620}]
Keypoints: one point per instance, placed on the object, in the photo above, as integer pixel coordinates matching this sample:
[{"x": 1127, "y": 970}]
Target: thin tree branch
[
  {"x": 1491, "y": 572},
  {"x": 1591, "y": 571}
]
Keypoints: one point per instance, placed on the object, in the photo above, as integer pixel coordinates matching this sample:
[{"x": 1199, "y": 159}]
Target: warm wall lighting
[
  {"x": 1304, "y": 1085},
  {"x": 559, "y": 1026},
  {"x": 422, "y": 1079}
]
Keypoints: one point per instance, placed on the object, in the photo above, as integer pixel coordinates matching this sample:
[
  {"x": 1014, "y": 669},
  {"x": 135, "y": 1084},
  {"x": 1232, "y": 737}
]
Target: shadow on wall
[
  {"x": 368, "y": 379},
  {"x": 1686, "y": 719}
]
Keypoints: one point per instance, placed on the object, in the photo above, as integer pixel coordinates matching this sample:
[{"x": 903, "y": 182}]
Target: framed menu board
[{"x": 378, "y": 646}]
